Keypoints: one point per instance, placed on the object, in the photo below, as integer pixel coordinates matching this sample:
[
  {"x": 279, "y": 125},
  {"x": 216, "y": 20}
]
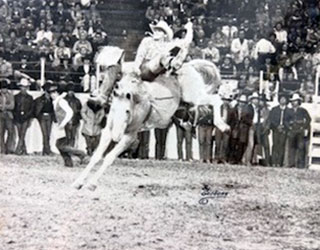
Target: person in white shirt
[
  {"x": 263, "y": 49},
  {"x": 281, "y": 34},
  {"x": 64, "y": 114},
  {"x": 154, "y": 50},
  {"x": 211, "y": 53},
  {"x": 239, "y": 48}
]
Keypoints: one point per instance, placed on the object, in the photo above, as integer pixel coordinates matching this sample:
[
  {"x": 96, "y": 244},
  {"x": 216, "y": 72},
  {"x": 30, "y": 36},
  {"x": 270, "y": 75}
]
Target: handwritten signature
[{"x": 208, "y": 194}]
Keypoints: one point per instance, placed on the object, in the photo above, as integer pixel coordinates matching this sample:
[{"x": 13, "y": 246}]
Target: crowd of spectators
[
  {"x": 62, "y": 35},
  {"x": 243, "y": 37}
]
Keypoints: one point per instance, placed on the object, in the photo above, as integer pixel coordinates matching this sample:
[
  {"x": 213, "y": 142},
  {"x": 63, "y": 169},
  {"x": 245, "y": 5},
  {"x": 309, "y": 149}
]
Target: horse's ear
[{"x": 121, "y": 59}]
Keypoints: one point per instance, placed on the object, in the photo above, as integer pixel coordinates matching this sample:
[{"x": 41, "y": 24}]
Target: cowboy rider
[{"x": 161, "y": 50}]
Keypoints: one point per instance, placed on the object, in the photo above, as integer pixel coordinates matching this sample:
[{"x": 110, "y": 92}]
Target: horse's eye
[
  {"x": 128, "y": 112},
  {"x": 128, "y": 96},
  {"x": 116, "y": 86}
]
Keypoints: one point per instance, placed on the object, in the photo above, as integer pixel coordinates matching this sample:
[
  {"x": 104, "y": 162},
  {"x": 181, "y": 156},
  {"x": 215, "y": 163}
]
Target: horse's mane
[{"x": 207, "y": 70}]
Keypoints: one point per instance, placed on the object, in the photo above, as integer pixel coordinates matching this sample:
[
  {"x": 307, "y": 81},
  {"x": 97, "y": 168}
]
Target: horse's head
[{"x": 124, "y": 100}]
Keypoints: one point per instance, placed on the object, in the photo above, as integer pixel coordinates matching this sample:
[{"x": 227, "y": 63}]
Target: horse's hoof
[
  {"x": 77, "y": 185},
  {"x": 92, "y": 187}
]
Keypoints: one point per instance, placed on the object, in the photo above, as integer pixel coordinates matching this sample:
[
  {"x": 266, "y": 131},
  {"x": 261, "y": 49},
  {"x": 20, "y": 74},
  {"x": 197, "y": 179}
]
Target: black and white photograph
[{"x": 159, "y": 124}]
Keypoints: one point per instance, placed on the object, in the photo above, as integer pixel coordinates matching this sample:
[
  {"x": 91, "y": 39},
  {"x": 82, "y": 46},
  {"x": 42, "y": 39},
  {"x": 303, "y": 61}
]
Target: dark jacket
[
  {"x": 76, "y": 106},
  {"x": 275, "y": 116},
  {"x": 299, "y": 120},
  {"x": 43, "y": 105},
  {"x": 23, "y": 109},
  {"x": 240, "y": 126}
]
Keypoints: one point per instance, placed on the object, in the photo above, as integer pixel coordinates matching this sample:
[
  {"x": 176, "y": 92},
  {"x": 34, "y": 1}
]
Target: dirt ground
[{"x": 155, "y": 205}]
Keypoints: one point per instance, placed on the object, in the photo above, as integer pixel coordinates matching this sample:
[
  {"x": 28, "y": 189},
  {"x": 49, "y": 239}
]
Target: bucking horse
[{"x": 141, "y": 105}]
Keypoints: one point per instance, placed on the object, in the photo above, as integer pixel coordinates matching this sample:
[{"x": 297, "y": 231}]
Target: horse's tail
[
  {"x": 109, "y": 56},
  {"x": 209, "y": 71}
]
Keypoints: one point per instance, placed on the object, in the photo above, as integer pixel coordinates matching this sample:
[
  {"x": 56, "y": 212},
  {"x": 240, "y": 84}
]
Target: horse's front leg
[
  {"x": 120, "y": 147},
  {"x": 96, "y": 157}
]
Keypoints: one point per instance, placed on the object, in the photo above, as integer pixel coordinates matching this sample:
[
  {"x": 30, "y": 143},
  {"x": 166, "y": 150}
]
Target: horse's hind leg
[
  {"x": 96, "y": 157},
  {"x": 216, "y": 103},
  {"x": 122, "y": 145}
]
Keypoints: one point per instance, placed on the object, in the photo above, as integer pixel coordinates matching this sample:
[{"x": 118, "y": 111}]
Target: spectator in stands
[
  {"x": 220, "y": 40},
  {"x": 72, "y": 127},
  {"x": 92, "y": 114},
  {"x": 248, "y": 31},
  {"x": 308, "y": 88},
  {"x": 99, "y": 39},
  {"x": 85, "y": 76},
  {"x": 61, "y": 52},
  {"x": 205, "y": 129},
  {"x": 152, "y": 11},
  {"x": 242, "y": 118},
  {"x": 81, "y": 48},
  {"x": 194, "y": 52},
  {"x": 263, "y": 49},
  {"x": 243, "y": 68},
  {"x": 230, "y": 30},
  {"x": 42, "y": 33},
  {"x": 288, "y": 68},
  {"x": 7, "y": 143},
  {"x": 63, "y": 113},
  {"x": 43, "y": 111},
  {"x": 299, "y": 129},
  {"x": 281, "y": 34},
  {"x": 239, "y": 48},
  {"x": 23, "y": 112},
  {"x": 211, "y": 53},
  {"x": 228, "y": 69}
]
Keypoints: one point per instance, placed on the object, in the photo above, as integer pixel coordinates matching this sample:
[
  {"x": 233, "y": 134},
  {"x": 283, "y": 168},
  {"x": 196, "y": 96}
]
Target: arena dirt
[{"x": 155, "y": 205}]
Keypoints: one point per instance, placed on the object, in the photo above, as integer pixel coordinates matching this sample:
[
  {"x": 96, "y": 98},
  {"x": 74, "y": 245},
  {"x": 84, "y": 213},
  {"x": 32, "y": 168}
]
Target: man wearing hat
[
  {"x": 72, "y": 127},
  {"x": 23, "y": 112},
  {"x": 63, "y": 113},
  {"x": 299, "y": 128},
  {"x": 222, "y": 138},
  {"x": 161, "y": 49},
  {"x": 260, "y": 131},
  {"x": 43, "y": 111},
  {"x": 279, "y": 124},
  {"x": 6, "y": 118},
  {"x": 240, "y": 122}
]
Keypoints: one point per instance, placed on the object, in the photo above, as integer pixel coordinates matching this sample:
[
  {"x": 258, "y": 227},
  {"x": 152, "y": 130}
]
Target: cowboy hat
[
  {"x": 242, "y": 98},
  {"x": 49, "y": 87},
  {"x": 255, "y": 95},
  {"x": 162, "y": 25},
  {"x": 295, "y": 97},
  {"x": 24, "y": 83}
]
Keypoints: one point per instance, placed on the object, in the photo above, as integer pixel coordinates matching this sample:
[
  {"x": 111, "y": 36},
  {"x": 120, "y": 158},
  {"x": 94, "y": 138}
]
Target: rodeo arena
[{"x": 160, "y": 124}]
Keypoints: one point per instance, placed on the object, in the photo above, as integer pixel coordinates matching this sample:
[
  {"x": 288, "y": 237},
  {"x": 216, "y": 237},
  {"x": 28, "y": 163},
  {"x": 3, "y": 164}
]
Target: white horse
[{"x": 138, "y": 105}]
